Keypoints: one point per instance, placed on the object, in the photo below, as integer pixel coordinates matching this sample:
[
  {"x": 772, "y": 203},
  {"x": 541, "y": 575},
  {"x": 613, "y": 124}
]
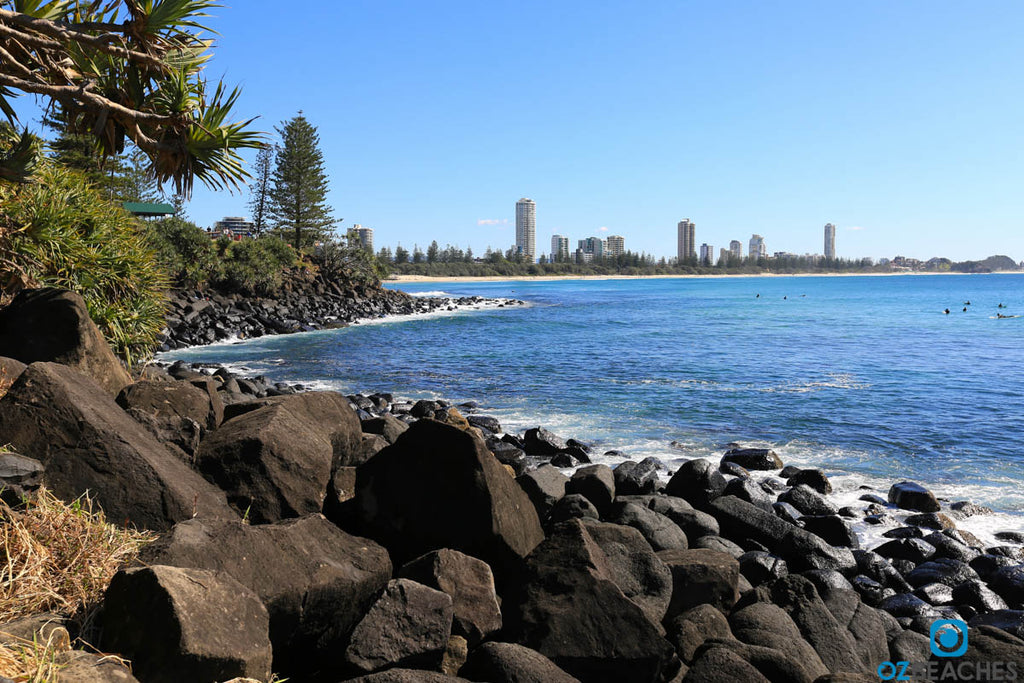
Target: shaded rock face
[
  {"x": 470, "y": 584},
  {"x": 698, "y": 482},
  {"x": 701, "y": 576},
  {"x": 569, "y": 608},
  {"x": 910, "y": 496},
  {"x": 545, "y": 486},
  {"x": 186, "y": 624},
  {"x": 88, "y": 443},
  {"x": 316, "y": 580},
  {"x": 53, "y": 325},
  {"x": 19, "y": 476},
  {"x": 753, "y": 458},
  {"x": 423, "y": 617},
  {"x": 270, "y": 464},
  {"x": 511, "y": 663},
  {"x": 173, "y": 400},
  {"x": 439, "y": 487},
  {"x": 766, "y": 625}
]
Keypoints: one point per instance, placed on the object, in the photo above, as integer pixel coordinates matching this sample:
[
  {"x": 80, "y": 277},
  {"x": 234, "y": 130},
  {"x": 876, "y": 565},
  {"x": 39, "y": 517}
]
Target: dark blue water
[{"x": 865, "y": 376}]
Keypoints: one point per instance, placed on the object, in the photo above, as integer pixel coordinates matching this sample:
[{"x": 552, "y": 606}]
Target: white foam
[{"x": 433, "y": 292}]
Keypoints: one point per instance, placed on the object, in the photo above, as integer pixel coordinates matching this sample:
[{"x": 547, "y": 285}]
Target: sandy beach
[{"x": 543, "y": 278}]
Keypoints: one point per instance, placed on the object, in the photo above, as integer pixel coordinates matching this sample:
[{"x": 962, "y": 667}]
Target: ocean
[{"x": 866, "y": 377}]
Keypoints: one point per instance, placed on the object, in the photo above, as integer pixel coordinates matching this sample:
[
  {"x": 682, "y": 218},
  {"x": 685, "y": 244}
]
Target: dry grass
[
  {"x": 60, "y": 557},
  {"x": 5, "y": 382},
  {"x": 33, "y": 661}
]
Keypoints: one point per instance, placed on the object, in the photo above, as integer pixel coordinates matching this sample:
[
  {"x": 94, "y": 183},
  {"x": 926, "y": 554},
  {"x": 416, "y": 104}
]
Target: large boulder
[
  {"x": 87, "y": 442},
  {"x": 270, "y": 463},
  {"x": 470, "y": 584},
  {"x": 387, "y": 426},
  {"x": 185, "y": 624},
  {"x": 545, "y": 486},
  {"x": 767, "y": 625},
  {"x": 10, "y": 369},
  {"x": 753, "y": 458},
  {"x": 168, "y": 400},
  {"x": 408, "y": 626},
  {"x": 698, "y": 482},
  {"x": 316, "y": 580},
  {"x": 439, "y": 487},
  {"x": 910, "y": 496},
  {"x": 634, "y": 567},
  {"x": 699, "y": 577},
  {"x": 19, "y": 477},
  {"x": 594, "y": 482},
  {"x": 660, "y": 531},
  {"x": 570, "y": 609},
  {"x": 720, "y": 664},
  {"x": 53, "y": 325},
  {"x": 635, "y": 478},
  {"x": 511, "y": 663},
  {"x": 688, "y": 631}
]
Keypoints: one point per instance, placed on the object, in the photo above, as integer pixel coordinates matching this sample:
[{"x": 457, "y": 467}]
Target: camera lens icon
[{"x": 948, "y": 638}]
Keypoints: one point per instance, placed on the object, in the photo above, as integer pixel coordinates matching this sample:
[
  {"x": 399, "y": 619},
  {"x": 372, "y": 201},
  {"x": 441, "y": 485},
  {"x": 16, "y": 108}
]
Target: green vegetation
[
  {"x": 253, "y": 266},
  {"x": 259, "y": 188},
  {"x": 62, "y": 232},
  {"x": 298, "y": 200},
  {"x": 128, "y": 71}
]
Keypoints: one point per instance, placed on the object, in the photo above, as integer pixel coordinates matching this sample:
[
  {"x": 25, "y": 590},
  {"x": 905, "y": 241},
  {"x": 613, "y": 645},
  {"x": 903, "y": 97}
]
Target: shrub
[
  {"x": 186, "y": 251},
  {"x": 254, "y": 266},
  {"x": 59, "y": 231}
]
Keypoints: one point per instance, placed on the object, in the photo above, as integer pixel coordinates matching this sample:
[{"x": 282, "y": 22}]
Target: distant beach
[{"x": 550, "y": 278}]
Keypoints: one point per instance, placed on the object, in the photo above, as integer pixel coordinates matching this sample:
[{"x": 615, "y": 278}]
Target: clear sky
[{"x": 900, "y": 122}]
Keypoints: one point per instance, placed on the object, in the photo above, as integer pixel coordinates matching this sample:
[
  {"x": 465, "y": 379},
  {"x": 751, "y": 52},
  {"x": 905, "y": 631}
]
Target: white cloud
[
  {"x": 602, "y": 229},
  {"x": 855, "y": 227},
  {"x": 492, "y": 221}
]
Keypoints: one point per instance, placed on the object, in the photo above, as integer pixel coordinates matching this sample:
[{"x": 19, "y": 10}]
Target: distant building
[
  {"x": 594, "y": 246},
  {"x": 584, "y": 256},
  {"x": 723, "y": 256},
  {"x": 830, "y": 241},
  {"x": 686, "y": 245},
  {"x": 757, "y": 249},
  {"x": 736, "y": 249},
  {"x": 707, "y": 254},
  {"x": 232, "y": 227},
  {"x": 365, "y": 237},
  {"x": 616, "y": 245},
  {"x": 526, "y": 228},
  {"x": 559, "y": 248}
]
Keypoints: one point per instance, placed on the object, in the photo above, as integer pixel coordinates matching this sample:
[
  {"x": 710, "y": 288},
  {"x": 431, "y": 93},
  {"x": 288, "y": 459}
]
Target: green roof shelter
[{"x": 144, "y": 210}]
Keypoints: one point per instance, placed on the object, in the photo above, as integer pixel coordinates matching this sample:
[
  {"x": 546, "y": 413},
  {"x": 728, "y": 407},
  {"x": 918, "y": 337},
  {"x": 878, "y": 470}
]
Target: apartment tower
[
  {"x": 526, "y": 228},
  {"x": 736, "y": 249},
  {"x": 559, "y": 248},
  {"x": 707, "y": 255},
  {"x": 686, "y": 246},
  {"x": 830, "y": 241},
  {"x": 616, "y": 245},
  {"x": 365, "y": 237},
  {"x": 757, "y": 247}
]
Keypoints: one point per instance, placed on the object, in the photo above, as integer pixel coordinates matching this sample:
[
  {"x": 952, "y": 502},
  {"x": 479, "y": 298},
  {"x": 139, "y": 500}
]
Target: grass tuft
[
  {"x": 32, "y": 661},
  {"x": 60, "y": 557}
]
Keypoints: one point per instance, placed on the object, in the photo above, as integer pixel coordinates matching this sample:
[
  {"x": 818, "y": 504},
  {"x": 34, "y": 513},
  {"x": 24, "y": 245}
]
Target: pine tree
[
  {"x": 401, "y": 254},
  {"x": 298, "y": 200},
  {"x": 432, "y": 252},
  {"x": 260, "y": 189}
]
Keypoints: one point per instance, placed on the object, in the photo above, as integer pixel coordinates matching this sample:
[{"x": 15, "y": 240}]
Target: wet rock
[
  {"x": 833, "y": 529},
  {"x": 186, "y": 624},
  {"x": 931, "y": 520},
  {"x": 425, "y": 616},
  {"x": 881, "y": 570},
  {"x": 469, "y": 583},
  {"x": 1008, "y": 582},
  {"x": 1009, "y": 620},
  {"x": 808, "y": 501},
  {"x": 539, "y": 441},
  {"x": 949, "y": 547},
  {"x": 485, "y": 422},
  {"x": 976, "y": 594},
  {"x": 908, "y": 605},
  {"x": 904, "y": 532},
  {"x": 732, "y": 469},
  {"x": 942, "y": 570},
  {"x": 813, "y": 478},
  {"x": 968, "y": 509},
  {"x": 910, "y": 496},
  {"x": 912, "y": 549},
  {"x": 870, "y": 591},
  {"x": 750, "y": 491},
  {"x": 753, "y": 458},
  {"x": 697, "y": 482},
  {"x": 936, "y": 594},
  {"x": 564, "y": 460},
  {"x": 787, "y": 513},
  {"x": 827, "y": 580},
  {"x": 53, "y": 325},
  {"x": 507, "y": 454}
]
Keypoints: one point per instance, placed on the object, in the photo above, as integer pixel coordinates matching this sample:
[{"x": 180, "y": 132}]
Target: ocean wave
[{"x": 433, "y": 292}]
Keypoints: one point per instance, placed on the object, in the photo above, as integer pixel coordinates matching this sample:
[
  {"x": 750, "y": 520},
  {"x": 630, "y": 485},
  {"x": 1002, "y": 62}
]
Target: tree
[
  {"x": 401, "y": 254},
  {"x": 417, "y": 254},
  {"x": 260, "y": 189},
  {"x": 298, "y": 200},
  {"x": 125, "y": 70},
  {"x": 432, "y": 252},
  {"x": 469, "y": 255}
]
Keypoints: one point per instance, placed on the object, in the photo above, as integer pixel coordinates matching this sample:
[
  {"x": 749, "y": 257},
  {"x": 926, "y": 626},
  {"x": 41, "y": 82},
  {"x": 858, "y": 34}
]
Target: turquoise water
[{"x": 865, "y": 376}]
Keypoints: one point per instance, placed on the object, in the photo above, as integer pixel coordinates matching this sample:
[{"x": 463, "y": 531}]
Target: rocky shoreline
[
  {"x": 199, "y": 317},
  {"x": 367, "y": 538}
]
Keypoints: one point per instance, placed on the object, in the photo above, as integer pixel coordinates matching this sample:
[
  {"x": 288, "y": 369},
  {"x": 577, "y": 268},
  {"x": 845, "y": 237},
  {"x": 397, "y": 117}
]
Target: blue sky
[{"x": 900, "y": 122}]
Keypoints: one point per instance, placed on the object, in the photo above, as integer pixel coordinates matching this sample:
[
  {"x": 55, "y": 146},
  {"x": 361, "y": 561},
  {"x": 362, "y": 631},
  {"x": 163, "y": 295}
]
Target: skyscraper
[
  {"x": 559, "y": 248},
  {"x": 616, "y": 245},
  {"x": 592, "y": 245},
  {"x": 365, "y": 237},
  {"x": 736, "y": 249},
  {"x": 830, "y": 241},
  {"x": 526, "y": 228},
  {"x": 757, "y": 247},
  {"x": 707, "y": 254},
  {"x": 686, "y": 247},
  {"x": 723, "y": 256}
]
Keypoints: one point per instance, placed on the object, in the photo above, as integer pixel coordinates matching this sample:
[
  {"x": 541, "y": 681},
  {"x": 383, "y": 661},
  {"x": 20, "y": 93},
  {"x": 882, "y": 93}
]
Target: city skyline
[{"x": 769, "y": 119}]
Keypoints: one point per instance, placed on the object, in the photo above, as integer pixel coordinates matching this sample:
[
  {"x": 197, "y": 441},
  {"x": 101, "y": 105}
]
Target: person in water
[{"x": 946, "y": 311}]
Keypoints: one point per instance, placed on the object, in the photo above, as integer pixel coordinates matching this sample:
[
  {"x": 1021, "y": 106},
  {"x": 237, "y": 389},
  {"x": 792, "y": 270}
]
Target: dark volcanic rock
[
  {"x": 913, "y": 549},
  {"x": 507, "y": 454},
  {"x": 439, "y": 487},
  {"x": 814, "y": 478},
  {"x": 570, "y": 610},
  {"x": 511, "y": 663},
  {"x": 539, "y": 441},
  {"x": 698, "y": 482},
  {"x": 19, "y": 476},
  {"x": 1009, "y": 620},
  {"x": 186, "y": 624},
  {"x": 700, "y": 577},
  {"x": 749, "y": 490},
  {"x": 316, "y": 580},
  {"x": 722, "y": 665},
  {"x": 165, "y": 400},
  {"x": 753, "y": 458},
  {"x": 53, "y": 325},
  {"x": 975, "y": 593},
  {"x": 594, "y": 482},
  {"x": 767, "y": 625},
  {"x": 808, "y": 501},
  {"x": 660, "y": 531},
  {"x": 425, "y": 616},
  {"x": 632, "y": 478},
  {"x": 633, "y": 567},
  {"x": 545, "y": 486},
  {"x": 688, "y": 630},
  {"x": 388, "y": 426},
  {"x": 942, "y": 570},
  {"x": 834, "y": 529},
  {"x": 572, "y": 506},
  {"x": 911, "y": 496},
  {"x": 1008, "y": 582},
  {"x": 87, "y": 442},
  {"x": 470, "y": 584},
  {"x": 694, "y": 523},
  {"x": 758, "y": 567}
]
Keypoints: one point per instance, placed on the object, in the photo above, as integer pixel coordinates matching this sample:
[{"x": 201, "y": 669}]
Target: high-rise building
[
  {"x": 686, "y": 245},
  {"x": 757, "y": 247},
  {"x": 723, "y": 256},
  {"x": 559, "y": 247},
  {"x": 707, "y": 254},
  {"x": 594, "y": 246},
  {"x": 234, "y": 227},
  {"x": 830, "y": 241},
  {"x": 526, "y": 228},
  {"x": 616, "y": 245},
  {"x": 365, "y": 237},
  {"x": 736, "y": 249}
]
